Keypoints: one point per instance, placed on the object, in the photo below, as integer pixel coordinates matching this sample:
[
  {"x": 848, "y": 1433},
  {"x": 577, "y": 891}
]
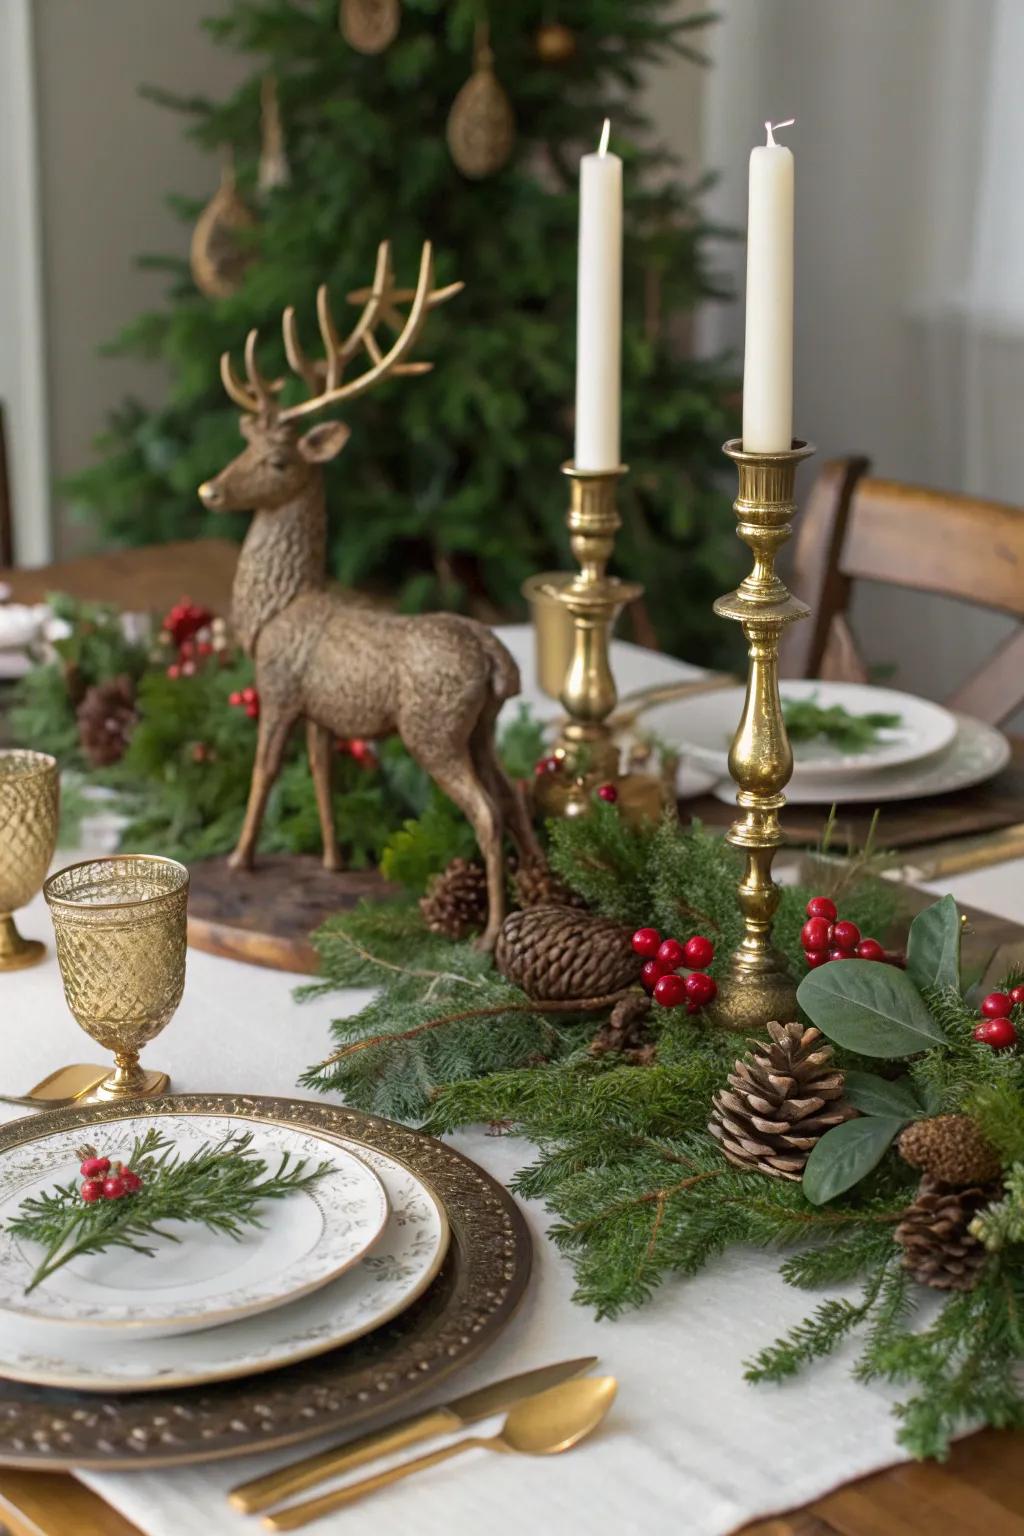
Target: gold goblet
[
  {"x": 29, "y": 807},
  {"x": 120, "y": 926}
]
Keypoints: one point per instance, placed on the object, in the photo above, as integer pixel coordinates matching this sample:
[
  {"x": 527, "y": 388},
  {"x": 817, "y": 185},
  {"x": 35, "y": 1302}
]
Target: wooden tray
[{"x": 463, "y": 1311}]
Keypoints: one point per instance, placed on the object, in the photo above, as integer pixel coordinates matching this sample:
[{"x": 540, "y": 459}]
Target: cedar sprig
[{"x": 221, "y": 1185}]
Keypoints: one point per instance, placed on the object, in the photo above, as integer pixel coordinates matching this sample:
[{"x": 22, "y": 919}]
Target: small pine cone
[
  {"x": 106, "y": 719},
  {"x": 562, "y": 954},
  {"x": 951, "y": 1148},
  {"x": 455, "y": 904},
  {"x": 938, "y": 1248},
  {"x": 781, "y": 1098},
  {"x": 536, "y": 885},
  {"x": 626, "y": 1030}
]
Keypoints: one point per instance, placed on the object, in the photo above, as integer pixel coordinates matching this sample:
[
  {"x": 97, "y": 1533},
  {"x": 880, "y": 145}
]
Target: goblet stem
[{"x": 16, "y": 952}]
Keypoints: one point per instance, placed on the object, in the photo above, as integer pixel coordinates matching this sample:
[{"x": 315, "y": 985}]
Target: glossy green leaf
[
  {"x": 933, "y": 946},
  {"x": 870, "y": 1008},
  {"x": 874, "y": 1095},
  {"x": 845, "y": 1154}
]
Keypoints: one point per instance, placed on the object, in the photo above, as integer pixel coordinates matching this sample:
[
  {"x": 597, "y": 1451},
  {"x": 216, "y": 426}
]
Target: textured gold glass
[
  {"x": 759, "y": 986},
  {"x": 29, "y": 812},
  {"x": 120, "y": 925}
]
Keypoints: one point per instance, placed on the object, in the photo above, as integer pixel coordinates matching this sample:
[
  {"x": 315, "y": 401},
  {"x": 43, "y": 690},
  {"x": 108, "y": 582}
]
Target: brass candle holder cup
[
  {"x": 120, "y": 925},
  {"x": 29, "y": 813},
  {"x": 759, "y": 986},
  {"x": 592, "y": 601}
]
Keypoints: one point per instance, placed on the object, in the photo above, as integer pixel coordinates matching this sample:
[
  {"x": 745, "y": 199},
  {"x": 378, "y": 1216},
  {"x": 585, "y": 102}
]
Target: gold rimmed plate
[{"x": 199, "y": 1279}]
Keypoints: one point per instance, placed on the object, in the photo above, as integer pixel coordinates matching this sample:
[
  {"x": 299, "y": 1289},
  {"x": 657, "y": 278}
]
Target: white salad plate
[
  {"x": 403, "y": 1263},
  {"x": 205, "y": 1279},
  {"x": 702, "y": 727}
]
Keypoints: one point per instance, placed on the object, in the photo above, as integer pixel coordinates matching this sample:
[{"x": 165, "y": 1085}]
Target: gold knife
[{"x": 261, "y": 1492}]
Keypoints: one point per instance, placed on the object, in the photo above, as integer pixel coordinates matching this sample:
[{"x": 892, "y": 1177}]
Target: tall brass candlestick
[{"x": 759, "y": 986}]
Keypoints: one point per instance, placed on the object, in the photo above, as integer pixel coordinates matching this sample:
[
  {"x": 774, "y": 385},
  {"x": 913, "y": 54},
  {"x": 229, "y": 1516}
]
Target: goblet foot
[
  {"x": 128, "y": 1081},
  {"x": 15, "y": 952}
]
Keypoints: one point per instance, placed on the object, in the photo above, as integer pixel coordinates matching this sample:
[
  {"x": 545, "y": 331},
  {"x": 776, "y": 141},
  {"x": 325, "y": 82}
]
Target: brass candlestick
[
  {"x": 593, "y": 600},
  {"x": 759, "y": 986}
]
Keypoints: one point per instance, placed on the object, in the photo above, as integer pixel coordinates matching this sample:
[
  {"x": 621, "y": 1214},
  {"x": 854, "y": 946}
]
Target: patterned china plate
[
  {"x": 206, "y": 1279},
  {"x": 402, "y": 1264}
]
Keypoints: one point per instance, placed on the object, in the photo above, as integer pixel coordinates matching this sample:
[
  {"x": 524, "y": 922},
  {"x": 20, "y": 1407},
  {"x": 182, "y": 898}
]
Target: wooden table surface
[{"x": 979, "y": 1491}]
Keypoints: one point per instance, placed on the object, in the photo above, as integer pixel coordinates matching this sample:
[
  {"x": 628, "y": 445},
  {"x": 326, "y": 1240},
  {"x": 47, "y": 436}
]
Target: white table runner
[{"x": 689, "y": 1446}]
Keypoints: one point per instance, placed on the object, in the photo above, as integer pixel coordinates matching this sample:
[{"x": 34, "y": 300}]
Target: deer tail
[{"x": 505, "y": 682}]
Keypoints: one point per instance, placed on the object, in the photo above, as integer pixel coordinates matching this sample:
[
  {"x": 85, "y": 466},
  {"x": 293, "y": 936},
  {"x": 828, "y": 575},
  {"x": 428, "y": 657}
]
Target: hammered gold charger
[{"x": 480, "y": 1283}]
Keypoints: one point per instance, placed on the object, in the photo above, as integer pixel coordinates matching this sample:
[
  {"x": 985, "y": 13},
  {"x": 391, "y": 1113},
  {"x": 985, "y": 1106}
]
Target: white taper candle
[
  {"x": 768, "y": 359},
  {"x": 599, "y": 310}
]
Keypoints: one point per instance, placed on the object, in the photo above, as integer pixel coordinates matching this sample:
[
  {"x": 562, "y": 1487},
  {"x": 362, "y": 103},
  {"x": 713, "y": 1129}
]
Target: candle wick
[
  {"x": 602, "y": 148},
  {"x": 770, "y": 130}
]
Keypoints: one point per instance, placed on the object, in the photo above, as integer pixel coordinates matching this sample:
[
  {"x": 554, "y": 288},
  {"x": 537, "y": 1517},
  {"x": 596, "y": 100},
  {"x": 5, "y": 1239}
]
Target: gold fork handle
[
  {"x": 296, "y": 1515},
  {"x": 261, "y": 1492}
]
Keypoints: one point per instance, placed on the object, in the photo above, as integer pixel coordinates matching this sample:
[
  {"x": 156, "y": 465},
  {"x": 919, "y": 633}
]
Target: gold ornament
[
  {"x": 217, "y": 258},
  {"x": 554, "y": 42},
  {"x": 481, "y": 123},
  {"x": 369, "y": 25},
  {"x": 274, "y": 170}
]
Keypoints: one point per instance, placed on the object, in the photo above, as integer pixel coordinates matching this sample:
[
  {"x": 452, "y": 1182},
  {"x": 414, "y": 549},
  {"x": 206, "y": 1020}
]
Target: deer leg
[
  {"x": 273, "y": 736},
  {"x": 458, "y": 779},
  {"x": 512, "y": 805},
  {"x": 318, "y": 747}
]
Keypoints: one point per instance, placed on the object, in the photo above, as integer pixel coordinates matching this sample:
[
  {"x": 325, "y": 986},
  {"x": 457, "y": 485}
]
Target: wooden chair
[
  {"x": 857, "y": 528},
  {"x": 6, "y": 509}
]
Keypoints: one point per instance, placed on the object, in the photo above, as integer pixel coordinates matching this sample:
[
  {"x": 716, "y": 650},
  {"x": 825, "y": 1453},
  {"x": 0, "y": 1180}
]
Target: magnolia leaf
[
  {"x": 933, "y": 946},
  {"x": 846, "y": 1153},
  {"x": 868, "y": 1007},
  {"x": 874, "y": 1095}
]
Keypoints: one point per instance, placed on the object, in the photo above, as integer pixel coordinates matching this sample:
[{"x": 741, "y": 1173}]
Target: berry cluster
[
  {"x": 995, "y": 1027},
  {"x": 608, "y": 793},
  {"x": 247, "y": 699},
  {"x": 100, "y": 1183},
  {"x": 545, "y": 765},
  {"x": 826, "y": 937},
  {"x": 194, "y": 634},
  {"x": 663, "y": 958}
]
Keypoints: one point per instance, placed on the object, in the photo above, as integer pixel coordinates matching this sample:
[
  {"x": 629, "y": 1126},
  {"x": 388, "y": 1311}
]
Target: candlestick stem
[{"x": 759, "y": 986}]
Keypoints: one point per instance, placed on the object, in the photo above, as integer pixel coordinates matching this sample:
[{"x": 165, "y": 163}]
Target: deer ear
[{"x": 324, "y": 442}]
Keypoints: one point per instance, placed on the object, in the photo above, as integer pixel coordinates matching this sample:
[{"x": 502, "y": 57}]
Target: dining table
[{"x": 689, "y": 1446}]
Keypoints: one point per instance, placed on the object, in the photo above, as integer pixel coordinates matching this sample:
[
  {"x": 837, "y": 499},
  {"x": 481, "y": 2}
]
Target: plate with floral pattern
[
  {"x": 406, "y": 1258},
  {"x": 198, "y": 1278}
]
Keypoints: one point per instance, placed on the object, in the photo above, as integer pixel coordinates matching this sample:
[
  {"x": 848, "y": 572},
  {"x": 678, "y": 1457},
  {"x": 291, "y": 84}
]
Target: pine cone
[
  {"x": 536, "y": 885},
  {"x": 455, "y": 904},
  {"x": 106, "y": 719},
  {"x": 562, "y": 954},
  {"x": 781, "y": 1098},
  {"x": 626, "y": 1031},
  {"x": 952, "y": 1149},
  {"x": 938, "y": 1249}
]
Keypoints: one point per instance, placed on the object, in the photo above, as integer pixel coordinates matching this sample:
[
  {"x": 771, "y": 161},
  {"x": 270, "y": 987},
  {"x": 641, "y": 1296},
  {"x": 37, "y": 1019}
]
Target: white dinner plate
[
  {"x": 206, "y": 1278},
  {"x": 703, "y": 727},
  {"x": 976, "y": 753},
  {"x": 403, "y": 1263}
]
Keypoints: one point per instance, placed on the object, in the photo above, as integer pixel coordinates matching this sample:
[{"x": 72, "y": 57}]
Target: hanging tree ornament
[
  {"x": 369, "y": 25},
  {"x": 481, "y": 123},
  {"x": 274, "y": 170},
  {"x": 217, "y": 257},
  {"x": 554, "y": 42}
]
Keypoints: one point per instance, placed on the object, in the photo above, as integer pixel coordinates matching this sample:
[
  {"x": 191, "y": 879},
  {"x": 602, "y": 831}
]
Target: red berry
[
  {"x": 92, "y": 1167},
  {"x": 205, "y": 648},
  {"x": 996, "y": 1006},
  {"x": 646, "y": 942},
  {"x": 670, "y": 955},
  {"x": 173, "y": 671},
  {"x": 547, "y": 765},
  {"x": 822, "y": 906},
  {"x": 700, "y": 989},
  {"x": 670, "y": 991},
  {"x": 113, "y": 1187},
  {"x": 652, "y": 972},
  {"x": 131, "y": 1181},
  {"x": 235, "y": 698},
  {"x": 841, "y": 954},
  {"x": 869, "y": 949},
  {"x": 815, "y": 933},
  {"x": 998, "y": 1033},
  {"x": 92, "y": 1190},
  {"x": 692, "y": 1007},
  {"x": 250, "y": 696},
  {"x": 845, "y": 936},
  {"x": 253, "y": 711},
  {"x": 698, "y": 952},
  {"x": 816, "y": 957},
  {"x": 608, "y": 793},
  {"x": 1017, "y": 996}
]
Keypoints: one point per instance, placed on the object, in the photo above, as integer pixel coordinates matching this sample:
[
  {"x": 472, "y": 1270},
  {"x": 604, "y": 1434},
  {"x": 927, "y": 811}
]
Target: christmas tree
[{"x": 448, "y": 493}]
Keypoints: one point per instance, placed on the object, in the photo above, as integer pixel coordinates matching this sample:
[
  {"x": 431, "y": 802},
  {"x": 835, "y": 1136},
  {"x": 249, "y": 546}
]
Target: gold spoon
[
  {"x": 541, "y": 1425},
  {"x": 68, "y": 1085}
]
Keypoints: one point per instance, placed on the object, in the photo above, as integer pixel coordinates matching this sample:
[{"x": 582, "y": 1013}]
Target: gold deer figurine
[{"x": 438, "y": 680}]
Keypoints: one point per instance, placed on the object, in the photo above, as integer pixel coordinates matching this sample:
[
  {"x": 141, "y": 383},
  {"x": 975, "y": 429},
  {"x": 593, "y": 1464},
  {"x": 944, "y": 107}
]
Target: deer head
[{"x": 280, "y": 461}]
